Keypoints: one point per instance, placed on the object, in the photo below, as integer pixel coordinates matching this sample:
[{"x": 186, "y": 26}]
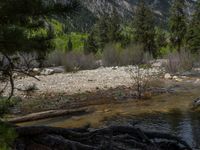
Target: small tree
[
  {"x": 141, "y": 79},
  {"x": 69, "y": 45},
  {"x": 144, "y": 27},
  {"x": 177, "y": 24}
]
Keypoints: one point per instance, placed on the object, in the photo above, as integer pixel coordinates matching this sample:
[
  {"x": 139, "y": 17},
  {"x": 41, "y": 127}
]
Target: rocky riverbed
[
  {"x": 60, "y": 90},
  {"x": 81, "y": 81}
]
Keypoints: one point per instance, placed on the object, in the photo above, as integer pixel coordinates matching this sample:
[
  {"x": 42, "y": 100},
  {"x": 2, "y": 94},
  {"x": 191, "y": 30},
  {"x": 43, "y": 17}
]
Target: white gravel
[{"x": 82, "y": 81}]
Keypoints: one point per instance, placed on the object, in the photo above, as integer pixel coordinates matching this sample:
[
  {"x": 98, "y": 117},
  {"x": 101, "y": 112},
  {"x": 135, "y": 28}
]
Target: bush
[
  {"x": 179, "y": 62},
  {"x": 55, "y": 58},
  {"x": 7, "y": 136},
  {"x": 110, "y": 56},
  {"x": 132, "y": 55},
  {"x": 141, "y": 80},
  {"x": 79, "y": 61}
]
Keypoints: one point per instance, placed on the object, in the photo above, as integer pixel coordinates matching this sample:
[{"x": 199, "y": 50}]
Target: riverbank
[{"x": 90, "y": 87}]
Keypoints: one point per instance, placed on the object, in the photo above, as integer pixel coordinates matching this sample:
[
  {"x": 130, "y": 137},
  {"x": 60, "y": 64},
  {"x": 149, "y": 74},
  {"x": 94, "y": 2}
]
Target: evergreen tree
[
  {"x": 161, "y": 40},
  {"x": 24, "y": 24},
  {"x": 144, "y": 25},
  {"x": 69, "y": 45},
  {"x": 193, "y": 37},
  {"x": 114, "y": 27},
  {"x": 25, "y": 28},
  {"x": 177, "y": 24},
  {"x": 90, "y": 45},
  {"x": 103, "y": 29}
]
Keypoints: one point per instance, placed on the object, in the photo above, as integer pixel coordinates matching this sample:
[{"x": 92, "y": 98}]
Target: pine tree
[
  {"x": 144, "y": 26},
  {"x": 177, "y": 24},
  {"x": 103, "y": 29},
  {"x": 90, "y": 45},
  {"x": 114, "y": 32},
  {"x": 69, "y": 45},
  {"x": 193, "y": 36},
  {"x": 25, "y": 26},
  {"x": 161, "y": 39}
]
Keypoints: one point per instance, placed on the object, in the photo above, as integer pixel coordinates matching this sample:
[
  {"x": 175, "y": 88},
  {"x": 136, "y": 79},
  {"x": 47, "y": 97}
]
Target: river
[{"x": 170, "y": 113}]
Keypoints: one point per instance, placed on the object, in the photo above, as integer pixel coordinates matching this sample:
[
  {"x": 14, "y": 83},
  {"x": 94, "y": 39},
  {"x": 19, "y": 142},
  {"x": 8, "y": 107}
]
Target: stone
[
  {"x": 178, "y": 80},
  {"x": 175, "y": 77},
  {"x": 159, "y": 63},
  {"x": 47, "y": 71},
  {"x": 115, "y": 68},
  {"x": 196, "y": 103},
  {"x": 58, "y": 69},
  {"x": 167, "y": 76},
  {"x": 197, "y": 81},
  {"x": 36, "y": 71}
]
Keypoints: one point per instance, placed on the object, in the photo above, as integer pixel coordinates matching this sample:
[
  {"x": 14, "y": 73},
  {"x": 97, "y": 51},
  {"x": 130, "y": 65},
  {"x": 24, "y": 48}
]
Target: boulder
[
  {"x": 178, "y": 80},
  {"x": 58, "y": 69},
  {"x": 47, "y": 71},
  {"x": 197, "y": 81},
  {"x": 36, "y": 71},
  {"x": 159, "y": 63},
  {"x": 167, "y": 76}
]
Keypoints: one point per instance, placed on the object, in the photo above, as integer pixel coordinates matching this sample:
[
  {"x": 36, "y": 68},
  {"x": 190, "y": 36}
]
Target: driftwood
[
  {"x": 108, "y": 138},
  {"x": 49, "y": 114}
]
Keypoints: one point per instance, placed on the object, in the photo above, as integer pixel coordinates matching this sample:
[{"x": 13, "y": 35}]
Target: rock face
[{"x": 126, "y": 7}]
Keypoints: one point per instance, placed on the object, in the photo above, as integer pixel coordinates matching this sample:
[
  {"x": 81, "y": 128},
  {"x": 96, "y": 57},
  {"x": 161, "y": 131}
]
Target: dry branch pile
[{"x": 109, "y": 138}]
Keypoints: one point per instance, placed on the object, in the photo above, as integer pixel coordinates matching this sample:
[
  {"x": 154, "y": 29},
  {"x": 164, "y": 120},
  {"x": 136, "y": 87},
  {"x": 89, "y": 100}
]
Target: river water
[{"x": 169, "y": 113}]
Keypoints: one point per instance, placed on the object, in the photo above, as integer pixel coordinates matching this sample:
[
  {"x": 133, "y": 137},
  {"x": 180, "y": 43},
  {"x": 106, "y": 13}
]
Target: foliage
[
  {"x": 72, "y": 61},
  {"x": 7, "y": 136},
  {"x": 103, "y": 29},
  {"x": 141, "y": 79},
  {"x": 160, "y": 39},
  {"x": 114, "y": 32},
  {"x": 179, "y": 61},
  {"x": 193, "y": 36},
  {"x": 76, "y": 38},
  {"x": 78, "y": 61},
  {"x": 69, "y": 45},
  {"x": 91, "y": 44},
  {"x": 144, "y": 24},
  {"x": 132, "y": 55},
  {"x": 110, "y": 56},
  {"x": 177, "y": 24}
]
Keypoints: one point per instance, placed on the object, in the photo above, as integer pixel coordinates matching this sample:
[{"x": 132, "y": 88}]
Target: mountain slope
[
  {"x": 127, "y": 7},
  {"x": 92, "y": 9}
]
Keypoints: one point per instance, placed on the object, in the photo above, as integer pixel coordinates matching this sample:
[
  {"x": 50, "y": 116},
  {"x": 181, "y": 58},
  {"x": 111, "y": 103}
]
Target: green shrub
[{"x": 7, "y": 136}]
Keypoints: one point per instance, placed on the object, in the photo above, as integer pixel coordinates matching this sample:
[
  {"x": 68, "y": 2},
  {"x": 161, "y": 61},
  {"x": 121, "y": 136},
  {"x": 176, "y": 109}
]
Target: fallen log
[
  {"x": 108, "y": 138},
  {"x": 49, "y": 114}
]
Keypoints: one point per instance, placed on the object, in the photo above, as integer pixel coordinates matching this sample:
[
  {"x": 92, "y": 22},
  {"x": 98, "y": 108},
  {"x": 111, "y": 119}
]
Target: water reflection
[{"x": 183, "y": 124}]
